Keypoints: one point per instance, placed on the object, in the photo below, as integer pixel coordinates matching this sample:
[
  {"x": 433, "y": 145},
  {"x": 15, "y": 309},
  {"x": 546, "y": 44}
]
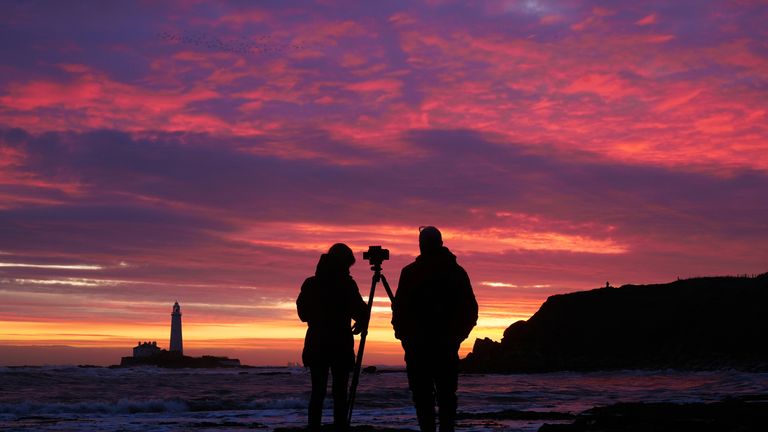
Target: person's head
[
  {"x": 430, "y": 239},
  {"x": 341, "y": 256}
]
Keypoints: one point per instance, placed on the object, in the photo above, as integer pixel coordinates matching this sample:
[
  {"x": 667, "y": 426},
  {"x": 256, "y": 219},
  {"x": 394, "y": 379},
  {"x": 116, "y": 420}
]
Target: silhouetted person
[
  {"x": 433, "y": 312},
  {"x": 328, "y": 302}
]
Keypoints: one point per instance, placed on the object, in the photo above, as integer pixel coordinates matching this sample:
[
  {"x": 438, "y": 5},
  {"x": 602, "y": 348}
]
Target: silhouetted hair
[
  {"x": 342, "y": 255},
  {"x": 430, "y": 239}
]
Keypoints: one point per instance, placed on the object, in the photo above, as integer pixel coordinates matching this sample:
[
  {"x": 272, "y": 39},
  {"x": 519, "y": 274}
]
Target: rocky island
[
  {"x": 692, "y": 324},
  {"x": 172, "y": 359}
]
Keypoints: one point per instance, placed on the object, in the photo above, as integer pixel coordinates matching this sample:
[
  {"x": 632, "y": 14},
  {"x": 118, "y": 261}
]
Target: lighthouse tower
[{"x": 176, "y": 345}]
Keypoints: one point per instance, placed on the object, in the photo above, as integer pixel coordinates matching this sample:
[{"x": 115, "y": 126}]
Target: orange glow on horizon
[{"x": 286, "y": 334}]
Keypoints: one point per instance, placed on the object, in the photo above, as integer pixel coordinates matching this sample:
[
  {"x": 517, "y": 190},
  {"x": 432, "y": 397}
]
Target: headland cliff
[{"x": 692, "y": 324}]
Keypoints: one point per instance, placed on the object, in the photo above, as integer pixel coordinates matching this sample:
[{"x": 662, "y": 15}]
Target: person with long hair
[{"x": 328, "y": 302}]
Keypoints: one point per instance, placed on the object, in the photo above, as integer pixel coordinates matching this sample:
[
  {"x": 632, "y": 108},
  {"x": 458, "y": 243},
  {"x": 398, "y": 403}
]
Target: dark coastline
[
  {"x": 695, "y": 324},
  {"x": 699, "y": 324}
]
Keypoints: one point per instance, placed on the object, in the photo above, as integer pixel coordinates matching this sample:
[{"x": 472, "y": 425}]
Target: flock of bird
[{"x": 257, "y": 45}]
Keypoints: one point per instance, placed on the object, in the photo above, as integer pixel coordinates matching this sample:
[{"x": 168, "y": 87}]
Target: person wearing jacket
[
  {"x": 434, "y": 310},
  {"x": 328, "y": 302}
]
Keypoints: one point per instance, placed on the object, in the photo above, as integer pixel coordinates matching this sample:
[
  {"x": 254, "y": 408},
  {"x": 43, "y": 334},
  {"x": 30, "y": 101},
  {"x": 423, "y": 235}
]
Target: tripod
[{"x": 377, "y": 276}]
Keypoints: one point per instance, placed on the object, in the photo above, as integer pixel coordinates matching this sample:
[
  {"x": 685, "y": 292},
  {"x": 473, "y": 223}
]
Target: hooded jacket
[
  {"x": 328, "y": 302},
  {"x": 434, "y": 304}
]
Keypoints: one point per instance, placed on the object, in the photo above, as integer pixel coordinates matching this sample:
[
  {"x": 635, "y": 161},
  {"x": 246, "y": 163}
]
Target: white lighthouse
[{"x": 176, "y": 344}]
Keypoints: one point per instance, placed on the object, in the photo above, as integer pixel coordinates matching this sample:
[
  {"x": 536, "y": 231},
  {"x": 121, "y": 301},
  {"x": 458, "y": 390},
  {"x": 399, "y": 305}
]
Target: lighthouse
[{"x": 176, "y": 344}]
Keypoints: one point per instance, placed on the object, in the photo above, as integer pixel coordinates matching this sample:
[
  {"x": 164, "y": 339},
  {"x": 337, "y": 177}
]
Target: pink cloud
[
  {"x": 104, "y": 102},
  {"x": 607, "y": 86},
  {"x": 551, "y": 19},
  {"x": 240, "y": 18},
  {"x": 593, "y": 21},
  {"x": 541, "y": 69},
  {"x": 647, "y": 20},
  {"x": 384, "y": 88}
]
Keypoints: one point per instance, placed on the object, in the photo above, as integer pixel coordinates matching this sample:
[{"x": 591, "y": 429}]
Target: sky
[{"x": 209, "y": 152}]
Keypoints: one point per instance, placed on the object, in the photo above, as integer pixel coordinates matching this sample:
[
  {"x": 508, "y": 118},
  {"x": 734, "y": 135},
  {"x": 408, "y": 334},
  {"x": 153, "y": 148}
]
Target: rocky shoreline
[{"x": 745, "y": 414}]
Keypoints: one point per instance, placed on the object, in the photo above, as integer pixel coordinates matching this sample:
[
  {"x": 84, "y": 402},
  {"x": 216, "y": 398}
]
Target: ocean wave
[
  {"x": 122, "y": 406},
  {"x": 131, "y": 406},
  {"x": 287, "y": 403},
  {"x": 258, "y": 404}
]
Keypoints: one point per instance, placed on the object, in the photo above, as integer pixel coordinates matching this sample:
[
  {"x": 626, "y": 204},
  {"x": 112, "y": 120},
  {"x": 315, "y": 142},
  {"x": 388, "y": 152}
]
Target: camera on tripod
[{"x": 376, "y": 255}]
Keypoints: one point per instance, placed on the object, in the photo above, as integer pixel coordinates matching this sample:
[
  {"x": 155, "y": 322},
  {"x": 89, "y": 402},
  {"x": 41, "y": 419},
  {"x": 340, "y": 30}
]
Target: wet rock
[{"x": 726, "y": 416}]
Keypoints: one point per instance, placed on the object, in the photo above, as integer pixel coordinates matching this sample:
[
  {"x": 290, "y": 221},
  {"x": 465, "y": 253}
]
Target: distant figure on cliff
[
  {"x": 328, "y": 302},
  {"x": 433, "y": 312}
]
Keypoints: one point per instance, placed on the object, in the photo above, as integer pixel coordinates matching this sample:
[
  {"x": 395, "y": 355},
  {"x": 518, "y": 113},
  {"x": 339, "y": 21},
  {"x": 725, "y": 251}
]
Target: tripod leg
[
  {"x": 387, "y": 289},
  {"x": 360, "y": 350}
]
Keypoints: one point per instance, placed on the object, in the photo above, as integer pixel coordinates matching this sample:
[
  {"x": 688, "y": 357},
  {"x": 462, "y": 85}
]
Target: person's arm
[
  {"x": 400, "y": 306},
  {"x": 467, "y": 305},
  {"x": 358, "y": 306}
]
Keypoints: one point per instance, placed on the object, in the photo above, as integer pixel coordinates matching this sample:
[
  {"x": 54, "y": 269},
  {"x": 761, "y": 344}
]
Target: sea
[{"x": 71, "y": 398}]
